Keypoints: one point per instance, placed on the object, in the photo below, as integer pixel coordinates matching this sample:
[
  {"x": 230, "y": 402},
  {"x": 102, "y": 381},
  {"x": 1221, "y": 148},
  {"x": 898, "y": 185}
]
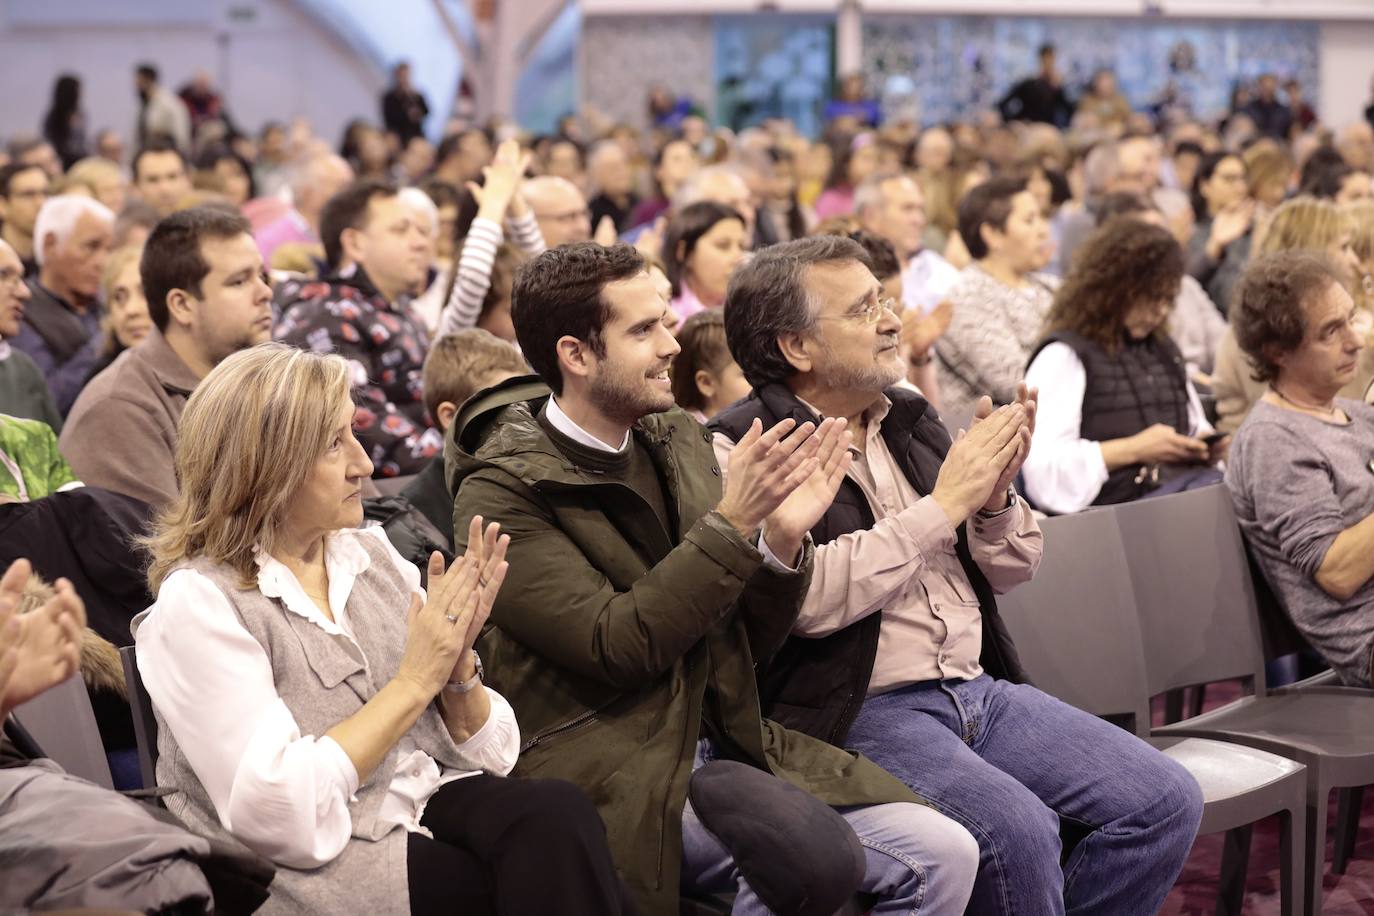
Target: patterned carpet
[{"x": 1351, "y": 894}]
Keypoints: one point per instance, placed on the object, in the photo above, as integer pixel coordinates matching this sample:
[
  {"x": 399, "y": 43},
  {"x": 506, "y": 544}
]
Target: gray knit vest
[{"x": 323, "y": 681}]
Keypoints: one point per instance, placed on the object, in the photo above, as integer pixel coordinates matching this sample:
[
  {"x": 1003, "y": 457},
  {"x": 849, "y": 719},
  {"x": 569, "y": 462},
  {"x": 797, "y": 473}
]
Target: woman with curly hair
[{"x": 1118, "y": 418}]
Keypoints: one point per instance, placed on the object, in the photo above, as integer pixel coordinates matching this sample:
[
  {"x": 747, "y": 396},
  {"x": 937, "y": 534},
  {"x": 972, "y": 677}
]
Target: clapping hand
[
  {"x": 764, "y": 469},
  {"x": 979, "y": 457},
  {"x": 40, "y": 649},
  {"x": 786, "y": 525},
  {"x": 1027, "y": 397}
]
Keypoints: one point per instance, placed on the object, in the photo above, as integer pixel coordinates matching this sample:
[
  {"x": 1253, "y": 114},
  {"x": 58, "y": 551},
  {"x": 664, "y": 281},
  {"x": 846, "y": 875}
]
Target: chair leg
[
  {"x": 1292, "y": 828},
  {"x": 1317, "y": 797},
  {"x": 1348, "y": 802},
  {"x": 1235, "y": 863}
]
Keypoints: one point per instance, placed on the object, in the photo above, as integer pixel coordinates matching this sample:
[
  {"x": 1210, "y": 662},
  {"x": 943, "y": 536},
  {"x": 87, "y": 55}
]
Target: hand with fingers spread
[
  {"x": 765, "y": 467},
  {"x": 444, "y": 627},
  {"x": 42, "y": 648},
  {"x": 650, "y": 241},
  {"x": 1228, "y": 225},
  {"x": 920, "y": 330},
  {"x": 501, "y": 181},
  {"x": 787, "y": 525},
  {"x": 975, "y": 462}
]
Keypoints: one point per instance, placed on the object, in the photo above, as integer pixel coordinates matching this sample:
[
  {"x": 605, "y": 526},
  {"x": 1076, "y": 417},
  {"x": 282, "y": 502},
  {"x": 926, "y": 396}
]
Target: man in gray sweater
[{"x": 1301, "y": 468}]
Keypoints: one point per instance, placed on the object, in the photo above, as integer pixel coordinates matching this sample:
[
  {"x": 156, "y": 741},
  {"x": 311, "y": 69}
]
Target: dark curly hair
[
  {"x": 1124, "y": 262},
  {"x": 1268, "y": 312}
]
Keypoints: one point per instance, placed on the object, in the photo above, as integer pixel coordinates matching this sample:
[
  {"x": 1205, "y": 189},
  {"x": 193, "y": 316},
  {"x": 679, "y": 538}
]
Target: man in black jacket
[{"x": 898, "y": 650}]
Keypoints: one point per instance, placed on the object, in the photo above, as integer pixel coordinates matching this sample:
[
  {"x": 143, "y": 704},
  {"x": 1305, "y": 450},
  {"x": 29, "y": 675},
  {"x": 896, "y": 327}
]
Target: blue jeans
[
  {"x": 918, "y": 860},
  {"x": 1007, "y": 761}
]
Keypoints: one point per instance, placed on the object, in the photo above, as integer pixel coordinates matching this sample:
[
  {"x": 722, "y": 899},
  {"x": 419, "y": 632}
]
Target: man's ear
[
  {"x": 351, "y": 243},
  {"x": 575, "y": 357},
  {"x": 797, "y": 349},
  {"x": 1275, "y": 354},
  {"x": 181, "y": 308},
  {"x": 48, "y": 244},
  {"x": 446, "y": 411}
]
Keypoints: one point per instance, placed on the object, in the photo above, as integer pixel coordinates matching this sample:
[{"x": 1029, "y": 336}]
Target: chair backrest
[
  {"x": 1279, "y": 635},
  {"x": 1193, "y": 591},
  {"x": 62, "y": 722},
  {"x": 145, "y": 723},
  {"x": 392, "y": 486},
  {"x": 1074, "y": 624}
]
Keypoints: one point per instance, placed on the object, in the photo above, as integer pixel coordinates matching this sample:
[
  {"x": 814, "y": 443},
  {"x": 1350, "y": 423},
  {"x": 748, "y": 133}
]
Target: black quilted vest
[
  {"x": 1143, "y": 383},
  {"x": 817, "y": 685}
]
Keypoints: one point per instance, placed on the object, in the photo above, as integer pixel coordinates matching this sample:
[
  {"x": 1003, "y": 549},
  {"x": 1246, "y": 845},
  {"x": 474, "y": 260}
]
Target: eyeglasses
[
  {"x": 11, "y": 277},
  {"x": 872, "y": 311}
]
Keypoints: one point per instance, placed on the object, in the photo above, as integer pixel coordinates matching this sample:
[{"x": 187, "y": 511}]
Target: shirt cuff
[
  {"x": 770, "y": 559},
  {"x": 993, "y": 526},
  {"x": 333, "y": 756}
]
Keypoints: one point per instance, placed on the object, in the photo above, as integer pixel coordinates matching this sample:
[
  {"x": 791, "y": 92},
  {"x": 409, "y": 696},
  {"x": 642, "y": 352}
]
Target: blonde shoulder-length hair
[
  {"x": 1303, "y": 223},
  {"x": 247, "y": 440}
]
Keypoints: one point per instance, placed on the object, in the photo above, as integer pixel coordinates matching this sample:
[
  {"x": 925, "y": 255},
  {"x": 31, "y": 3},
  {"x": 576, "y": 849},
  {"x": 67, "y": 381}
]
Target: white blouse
[
  {"x": 1064, "y": 472},
  {"x": 282, "y": 793}
]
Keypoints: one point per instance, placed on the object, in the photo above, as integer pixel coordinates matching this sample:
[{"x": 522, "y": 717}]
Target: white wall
[
  {"x": 1346, "y": 69},
  {"x": 271, "y": 60}
]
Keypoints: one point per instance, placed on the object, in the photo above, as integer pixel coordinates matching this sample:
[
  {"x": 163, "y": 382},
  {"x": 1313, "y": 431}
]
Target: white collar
[
  {"x": 344, "y": 560},
  {"x": 565, "y": 425},
  {"x": 4, "y": 349}
]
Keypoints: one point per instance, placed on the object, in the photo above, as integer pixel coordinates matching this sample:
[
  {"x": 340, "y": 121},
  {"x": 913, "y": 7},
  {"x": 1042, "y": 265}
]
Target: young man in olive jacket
[
  {"x": 898, "y": 650},
  {"x": 627, "y": 641}
]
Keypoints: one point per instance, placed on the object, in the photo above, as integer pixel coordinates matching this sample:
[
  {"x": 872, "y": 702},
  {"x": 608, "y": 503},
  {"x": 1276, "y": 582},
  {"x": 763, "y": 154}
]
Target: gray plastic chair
[
  {"x": 145, "y": 723},
  {"x": 1200, "y": 624},
  {"x": 1078, "y": 636},
  {"x": 392, "y": 486},
  {"x": 61, "y": 721}
]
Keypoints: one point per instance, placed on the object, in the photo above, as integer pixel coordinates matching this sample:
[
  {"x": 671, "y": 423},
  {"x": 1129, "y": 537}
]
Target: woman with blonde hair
[
  {"x": 125, "y": 320},
  {"x": 102, "y": 179},
  {"x": 1301, "y": 224},
  {"x": 303, "y": 709},
  {"x": 1268, "y": 173}
]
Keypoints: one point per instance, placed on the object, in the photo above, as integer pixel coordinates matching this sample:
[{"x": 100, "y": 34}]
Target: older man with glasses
[
  {"x": 23, "y": 392},
  {"x": 898, "y": 651},
  {"x": 560, "y": 209}
]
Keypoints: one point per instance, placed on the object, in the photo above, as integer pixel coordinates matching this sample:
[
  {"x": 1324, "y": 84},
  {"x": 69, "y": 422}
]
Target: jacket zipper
[{"x": 585, "y": 718}]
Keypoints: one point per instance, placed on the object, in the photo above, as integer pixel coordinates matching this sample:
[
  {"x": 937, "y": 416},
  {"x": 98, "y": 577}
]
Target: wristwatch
[{"x": 470, "y": 683}]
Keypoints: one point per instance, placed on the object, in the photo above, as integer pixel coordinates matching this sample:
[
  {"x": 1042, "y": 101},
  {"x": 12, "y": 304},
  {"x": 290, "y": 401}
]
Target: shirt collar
[
  {"x": 169, "y": 368},
  {"x": 344, "y": 561},
  {"x": 4, "y": 349},
  {"x": 565, "y": 425},
  {"x": 872, "y": 417}
]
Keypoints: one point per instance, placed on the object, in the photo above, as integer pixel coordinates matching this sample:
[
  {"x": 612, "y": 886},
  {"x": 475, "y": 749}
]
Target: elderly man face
[
  {"x": 731, "y": 190},
  {"x": 72, "y": 266},
  {"x": 560, "y": 209},
  {"x": 900, "y": 217},
  {"x": 1134, "y": 161},
  {"x": 1357, "y": 146},
  {"x": 324, "y": 177},
  {"x": 609, "y": 170},
  {"x": 14, "y": 292}
]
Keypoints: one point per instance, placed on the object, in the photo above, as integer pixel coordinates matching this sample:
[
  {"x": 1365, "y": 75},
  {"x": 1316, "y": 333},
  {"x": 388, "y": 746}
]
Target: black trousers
[{"x": 513, "y": 847}]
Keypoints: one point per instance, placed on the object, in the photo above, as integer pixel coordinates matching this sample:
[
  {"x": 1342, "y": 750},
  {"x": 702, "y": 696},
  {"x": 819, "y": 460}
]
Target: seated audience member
[
  {"x": 102, "y": 179},
  {"x": 220, "y": 169},
  {"x": 1196, "y": 324},
  {"x": 645, "y": 598},
  {"x": 673, "y": 163},
  {"x": 704, "y": 243},
  {"x": 705, "y": 377},
  {"x": 900, "y": 611},
  {"x": 723, "y": 184},
  {"x": 23, "y": 189},
  {"x": 31, "y": 467},
  {"x": 608, "y": 168},
  {"x": 1299, "y": 469},
  {"x": 1300, "y": 224},
  {"x": 893, "y": 208},
  {"x": 559, "y": 208},
  {"x": 301, "y": 711},
  {"x": 1118, "y": 417},
  {"x": 134, "y": 224},
  {"x": 160, "y": 176},
  {"x": 62, "y": 317},
  {"x": 40, "y": 649},
  {"x": 125, "y": 321},
  {"x": 457, "y": 367},
  {"x": 1225, "y": 215},
  {"x": 1000, "y": 301},
  {"x": 23, "y": 390},
  {"x": 472, "y": 297},
  {"x": 857, "y": 160},
  {"x": 312, "y": 183},
  {"x": 203, "y": 279},
  {"x": 377, "y": 253}
]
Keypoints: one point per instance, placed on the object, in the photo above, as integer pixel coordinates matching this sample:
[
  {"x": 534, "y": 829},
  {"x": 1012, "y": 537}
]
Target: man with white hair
[
  {"x": 559, "y": 208},
  {"x": 312, "y": 183},
  {"x": 722, "y": 184},
  {"x": 72, "y": 239}
]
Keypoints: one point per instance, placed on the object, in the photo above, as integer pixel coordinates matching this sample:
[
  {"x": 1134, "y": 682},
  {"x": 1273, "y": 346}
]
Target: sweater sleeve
[{"x": 470, "y": 287}]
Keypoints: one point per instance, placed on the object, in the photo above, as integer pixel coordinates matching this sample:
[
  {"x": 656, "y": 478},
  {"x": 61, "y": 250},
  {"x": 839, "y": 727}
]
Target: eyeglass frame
[{"x": 872, "y": 312}]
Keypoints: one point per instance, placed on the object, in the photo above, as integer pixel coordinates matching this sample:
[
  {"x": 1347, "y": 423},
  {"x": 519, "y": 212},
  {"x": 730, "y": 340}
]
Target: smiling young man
[
  {"x": 378, "y": 255},
  {"x": 898, "y": 651},
  {"x": 1300, "y": 467},
  {"x": 208, "y": 297},
  {"x": 645, "y": 599}
]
